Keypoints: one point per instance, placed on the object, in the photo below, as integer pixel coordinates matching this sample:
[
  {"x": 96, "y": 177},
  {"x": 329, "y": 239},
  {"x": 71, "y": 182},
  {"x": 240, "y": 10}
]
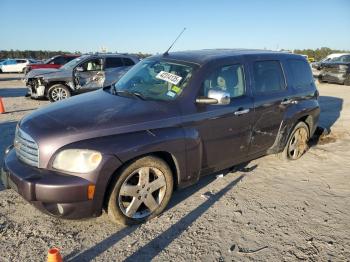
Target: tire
[
  {"x": 132, "y": 200},
  {"x": 320, "y": 79},
  {"x": 300, "y": 146},
  {"x": 58, "y": 92}
]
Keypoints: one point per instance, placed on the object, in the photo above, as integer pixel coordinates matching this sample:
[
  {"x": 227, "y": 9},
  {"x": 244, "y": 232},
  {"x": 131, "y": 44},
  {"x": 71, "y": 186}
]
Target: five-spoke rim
[
  {"x": 298, "y": 143},
  {"x": 142, "y": 192},
  {"x": 59, "y": 93}
]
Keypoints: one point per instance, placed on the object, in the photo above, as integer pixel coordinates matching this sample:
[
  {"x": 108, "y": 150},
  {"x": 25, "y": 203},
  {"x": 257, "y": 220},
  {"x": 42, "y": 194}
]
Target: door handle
[
  {"x": 241, "y": 112},
  {"x": 289, "y": 101}
]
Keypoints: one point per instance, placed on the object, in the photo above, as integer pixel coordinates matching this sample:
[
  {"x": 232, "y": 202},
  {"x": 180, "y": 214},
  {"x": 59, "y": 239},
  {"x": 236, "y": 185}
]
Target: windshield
[
  {"x": 71, "y": 64},
  {"x": 154, "y": 79}
]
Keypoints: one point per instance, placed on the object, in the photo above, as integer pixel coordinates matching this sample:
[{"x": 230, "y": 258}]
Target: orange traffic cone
[
  {"x": 54, "y": 255},
  {"x": 2, "y": 108}
]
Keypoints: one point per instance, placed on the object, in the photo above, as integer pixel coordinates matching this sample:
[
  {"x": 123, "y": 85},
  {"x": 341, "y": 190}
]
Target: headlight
[{"x": 77, "y": 160}]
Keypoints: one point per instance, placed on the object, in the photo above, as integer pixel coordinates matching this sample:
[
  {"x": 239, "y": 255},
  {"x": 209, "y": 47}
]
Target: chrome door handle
[
  {"x": 289, "y": 101},
  {"x": 241, "y": 112}
]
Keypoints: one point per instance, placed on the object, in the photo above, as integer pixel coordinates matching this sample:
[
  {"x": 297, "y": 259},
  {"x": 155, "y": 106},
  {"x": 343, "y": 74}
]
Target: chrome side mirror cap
[{"x": 215, "y": 97}]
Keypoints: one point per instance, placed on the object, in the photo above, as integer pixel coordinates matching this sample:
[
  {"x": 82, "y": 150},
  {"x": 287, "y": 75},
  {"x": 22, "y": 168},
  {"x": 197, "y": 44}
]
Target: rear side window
[
  {"x": 227, "y": 78},
  {"x": 128, "y": 62},
  {"x": 68, "y": 58},
  {"x": 20, "y": 61},
  {"x": 58, "y": 61},
  {"x": 268, "y": 76},
  {"x": 345, "y": 58},
  {"x": 301, "y": 72},
  {"x": 112, "y": 62}
]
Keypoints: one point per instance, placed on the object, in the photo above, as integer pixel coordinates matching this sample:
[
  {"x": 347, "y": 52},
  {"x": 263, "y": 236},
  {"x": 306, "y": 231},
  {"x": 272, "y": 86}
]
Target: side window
[
  {"x": 92, "y": 65},
  {"x": 128, "y": 62},
  {"x": 301, "y": 72},
  {"x": 68, "y": 58},
  {"x": 58, "y": 60},
  {"x": 345, "y": 58},
  {"x": 227, "y": 78},
  {"x": 112, "y": 62},
  {"x": 268, "y": 76}
]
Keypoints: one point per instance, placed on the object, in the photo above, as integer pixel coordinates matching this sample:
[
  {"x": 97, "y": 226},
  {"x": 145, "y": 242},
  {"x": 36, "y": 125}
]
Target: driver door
[
  {"x": 89, "y": 75},
  {"x": 225, "y": 130}
]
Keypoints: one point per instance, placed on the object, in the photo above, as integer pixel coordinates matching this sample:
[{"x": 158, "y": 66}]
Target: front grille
[{"x": 26, "y": 148}]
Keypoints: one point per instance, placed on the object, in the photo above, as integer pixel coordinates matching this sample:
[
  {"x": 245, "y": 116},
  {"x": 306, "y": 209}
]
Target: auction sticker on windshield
[{"x": 169, "y": 77}]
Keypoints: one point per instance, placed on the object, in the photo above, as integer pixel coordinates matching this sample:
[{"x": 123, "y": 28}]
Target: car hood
[
  {"x": 43, "y": 71},
  {"x": 95, "y": 114},
  {"x": 48, "y": 73}
]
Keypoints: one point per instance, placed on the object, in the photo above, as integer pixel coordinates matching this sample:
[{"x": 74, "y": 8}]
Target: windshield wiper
[{"x": 134, "y": 94}]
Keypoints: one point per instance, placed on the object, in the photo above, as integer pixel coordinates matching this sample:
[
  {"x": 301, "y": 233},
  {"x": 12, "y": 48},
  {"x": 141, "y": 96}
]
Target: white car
[{"x": 14, "y": 65}]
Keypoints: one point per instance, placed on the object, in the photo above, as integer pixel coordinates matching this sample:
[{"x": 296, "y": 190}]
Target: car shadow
[
  {"x": 13, "y": 92},
  {"x": 156, "y": 245},
  {"x": 330, "y": 113}
]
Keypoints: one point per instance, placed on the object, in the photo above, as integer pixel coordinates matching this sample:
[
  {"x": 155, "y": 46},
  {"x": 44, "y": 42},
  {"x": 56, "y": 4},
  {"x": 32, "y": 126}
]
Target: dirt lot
[{"x": 268, "y": 210}]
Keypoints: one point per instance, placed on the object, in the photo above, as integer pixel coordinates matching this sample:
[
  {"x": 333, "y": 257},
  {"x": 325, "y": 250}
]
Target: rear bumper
[{"x": 54, "y": 193}]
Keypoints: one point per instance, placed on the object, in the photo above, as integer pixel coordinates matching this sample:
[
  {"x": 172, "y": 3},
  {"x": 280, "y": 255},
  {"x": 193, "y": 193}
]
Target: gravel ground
[{"x": 265, "y": 210}]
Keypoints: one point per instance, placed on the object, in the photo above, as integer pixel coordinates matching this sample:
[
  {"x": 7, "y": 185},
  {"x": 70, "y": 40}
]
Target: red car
[{"x": 53, "y": 62}]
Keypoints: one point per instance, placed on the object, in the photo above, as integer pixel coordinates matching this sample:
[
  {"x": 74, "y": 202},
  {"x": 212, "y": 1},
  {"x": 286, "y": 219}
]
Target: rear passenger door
[
  {"x": 271, "y": 96},
  {"x": 115, "y": 68}
]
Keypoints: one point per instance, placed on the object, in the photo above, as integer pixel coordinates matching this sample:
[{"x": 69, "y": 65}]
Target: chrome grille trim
[{"x": 26, "y": 148}]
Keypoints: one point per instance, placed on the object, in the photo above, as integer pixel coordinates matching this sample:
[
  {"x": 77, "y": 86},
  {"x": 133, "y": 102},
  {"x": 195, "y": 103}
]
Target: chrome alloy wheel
[
  {"x": 142, "y": 192},
  {"x": 59, "y": 93},
  {"x": 298, "y": 143}
]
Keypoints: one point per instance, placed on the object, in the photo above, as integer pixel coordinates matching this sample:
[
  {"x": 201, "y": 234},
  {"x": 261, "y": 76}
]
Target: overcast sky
[{"x": 151, "y": 26}]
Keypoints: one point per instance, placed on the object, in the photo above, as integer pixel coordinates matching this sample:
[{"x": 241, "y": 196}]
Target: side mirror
[
  {"x": 79, "y": 69},
  {"x": 215, "y": 97}
]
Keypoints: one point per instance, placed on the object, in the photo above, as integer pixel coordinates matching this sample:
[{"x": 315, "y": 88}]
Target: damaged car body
[
  {"x": 83, "y": 74},
  {"x": 168, "y": 121}
]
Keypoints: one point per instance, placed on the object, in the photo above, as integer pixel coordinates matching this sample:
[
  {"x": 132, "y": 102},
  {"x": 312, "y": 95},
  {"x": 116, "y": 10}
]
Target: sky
[{"x": 151, "y": 26}]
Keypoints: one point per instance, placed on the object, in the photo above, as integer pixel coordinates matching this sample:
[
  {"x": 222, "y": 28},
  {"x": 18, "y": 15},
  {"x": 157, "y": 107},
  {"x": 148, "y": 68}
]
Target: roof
[{"x": 203, "y": 56}]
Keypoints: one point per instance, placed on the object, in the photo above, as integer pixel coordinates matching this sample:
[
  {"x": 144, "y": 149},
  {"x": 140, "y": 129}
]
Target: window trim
[{"x": 271, "y": 91}]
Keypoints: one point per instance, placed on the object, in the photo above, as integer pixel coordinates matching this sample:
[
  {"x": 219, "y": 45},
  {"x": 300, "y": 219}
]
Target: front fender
[{"x": 129, "y": 146}]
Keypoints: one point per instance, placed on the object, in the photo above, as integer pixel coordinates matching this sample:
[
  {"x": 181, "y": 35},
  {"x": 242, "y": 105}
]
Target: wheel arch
[
  {"x": 167, "y": 157},
  {"x": 287, "y": 127}
]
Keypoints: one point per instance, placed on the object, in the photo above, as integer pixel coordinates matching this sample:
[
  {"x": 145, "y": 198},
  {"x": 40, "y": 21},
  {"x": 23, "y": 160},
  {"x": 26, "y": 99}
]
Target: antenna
[{"x": 166, "y": 52}]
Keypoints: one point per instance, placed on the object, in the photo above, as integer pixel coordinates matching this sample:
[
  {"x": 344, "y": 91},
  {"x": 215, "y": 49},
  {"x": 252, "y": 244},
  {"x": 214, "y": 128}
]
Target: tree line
[
  {"x": 317, "y": 54},
  {"x": 43, "y": 54}
]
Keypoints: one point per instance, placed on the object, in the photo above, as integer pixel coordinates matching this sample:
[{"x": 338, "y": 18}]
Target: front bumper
[
  {"x": 52, "y": 192},
  {"x": 36, "y": 89}
]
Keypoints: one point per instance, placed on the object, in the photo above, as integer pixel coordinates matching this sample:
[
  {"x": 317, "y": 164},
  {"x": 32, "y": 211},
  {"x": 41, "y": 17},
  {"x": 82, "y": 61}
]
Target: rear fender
[{"x": 307, "y": 111}]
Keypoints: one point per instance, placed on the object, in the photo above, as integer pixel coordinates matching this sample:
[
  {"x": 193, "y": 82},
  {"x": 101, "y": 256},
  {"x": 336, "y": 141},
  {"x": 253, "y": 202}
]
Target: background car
[
  {"x": 53, "y": 62},
  {"x": 336, "y": 71},
  {"x": 15, "y": 65},
  {"x": 83, "y": 74},
  {"x": 317, "y": 66}
]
